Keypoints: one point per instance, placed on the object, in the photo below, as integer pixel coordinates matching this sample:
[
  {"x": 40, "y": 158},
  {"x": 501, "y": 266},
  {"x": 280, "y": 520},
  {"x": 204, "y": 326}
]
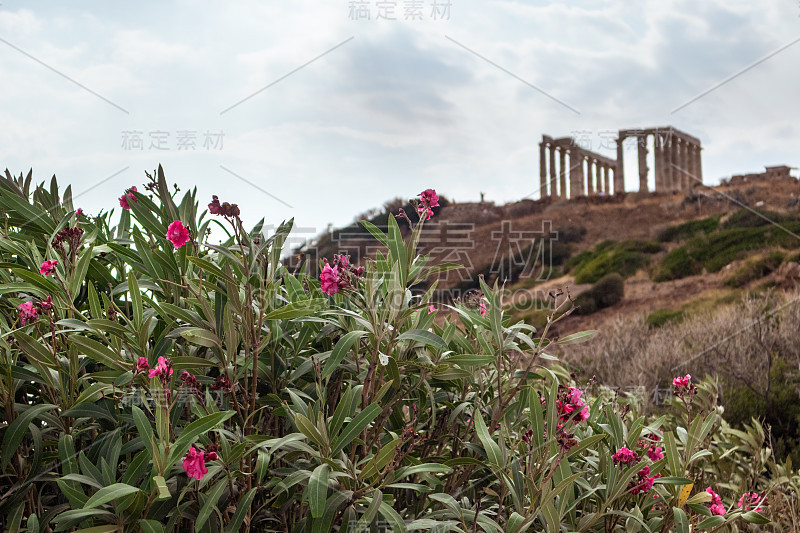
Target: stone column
[
  {"x": 619, "y": 171},
  {"x": 562, "y": 156},
  {"x": 606, "y": 179},
  {"x": 641, "y": 142},
  {"x": 677, "y": 175},
  {"x": 666, "y": 148},
  {"x": 553, "y": 176},
  {"x": 591, "y": 166},
  {"x": 658, "y": 162},
  {"x": 692, "y": 173},
  {"x": 687, "y": 180},
  {"x": 542, "y": 170},
  {"x": 576, "y": 173},
  {"x": 698, "y": 165}
]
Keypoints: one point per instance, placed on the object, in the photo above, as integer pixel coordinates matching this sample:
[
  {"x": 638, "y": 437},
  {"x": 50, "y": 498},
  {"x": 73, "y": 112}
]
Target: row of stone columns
[
  {"x": 677, "y": 161},
  {"x": 594, "y": 179}
]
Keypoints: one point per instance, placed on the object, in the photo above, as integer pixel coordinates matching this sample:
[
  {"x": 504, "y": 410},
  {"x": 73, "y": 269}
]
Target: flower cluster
[
  {"x": 177, "y": 234},
  {"x": 128, "y": 197},
  {"x": 342, "y": 275},
  {"x": 643, "y": 481},
  {"x": 715, "y": 506},
  {"x": 48, "y": 267},
  {"x": 222, "y": 383},
  {"x": 29, "y": 311},
  {"x": 189, "y": 381},
  {"x": 224, "y": 209},
  {"x": 428, "y": 200},
  {"x": 625, "y": 456},
  {"x": 683, "y": 385},
  {"x": 70, "y": 237},
  {"x": 194, "y": 463},
  {"x": 570, "y": 405},
  {"x": 751, "y": 501}
]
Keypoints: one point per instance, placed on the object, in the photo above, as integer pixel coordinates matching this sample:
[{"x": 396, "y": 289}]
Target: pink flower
[
  {"x": 624, "y": 456},
  {"x": 128, "y": 196},
  {"x": 431, "y": 309},
  {"x": 483, "y": 308},
  {"x": 142, "y": 364},
  {"x": 428, "y": 200},
  {"x": 644, "y": 481},
  {"x": 79, "y": 213},
  {"x": 48, "y": 267},
  {"x": 681, "y": 382},
  {"x": 751, "y": 501},
  {"x": 716, "y": 506},
  {"x": 583, "y": 415},
  {"x": 160, "y": 369},
  {"x": 195, "y": 463},
  {"x": 656, "y": 453},
  {"x": 177, "y": 234},
  {"x": 27, "y": 313},
  {"x": 329, "y": 279},
  {"x": 574, "y": 395}
]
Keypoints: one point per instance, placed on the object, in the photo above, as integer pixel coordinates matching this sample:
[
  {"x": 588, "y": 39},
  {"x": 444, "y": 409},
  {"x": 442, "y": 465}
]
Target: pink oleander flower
[
  {"x": 625, "y": 456},
  {"x": 46, "y": 305},
  {"x": 569, "y": 402},
  {"x": 644, "y": 481},
  {"x": 48, "y": 267},
  {"x": 751, "y": 501},
  {"x": 128, "y": 196},
  {"x": 177, "y": 234},
  {"x": 79, "y": 213},
  {"x": 681, "y": 382},
  {"x": 483, "y": 308},
  {"x": 716, "y": 506},
  {"x": 329, "y": 279},
  {"x": 583, "y": 415},
  {"x": 27, "y": 313},
  {"x": 431, "y": 309},
  {"x": 428, "y": 200},
  {"x": 656, "y": 453},
  {"x": 142, "y": 364},
  {"x": 574, "y": 395},
  {"x": 160, "y": 369},
  {"x": 195, "y": 463}
]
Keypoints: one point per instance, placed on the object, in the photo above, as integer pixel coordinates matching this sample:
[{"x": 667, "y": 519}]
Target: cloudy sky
[{"x": 322, "y": 110}]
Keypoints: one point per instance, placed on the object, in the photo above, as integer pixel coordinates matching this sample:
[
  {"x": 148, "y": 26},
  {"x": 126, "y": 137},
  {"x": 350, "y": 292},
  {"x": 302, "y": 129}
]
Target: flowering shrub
[{"x": 152, "y": 386}]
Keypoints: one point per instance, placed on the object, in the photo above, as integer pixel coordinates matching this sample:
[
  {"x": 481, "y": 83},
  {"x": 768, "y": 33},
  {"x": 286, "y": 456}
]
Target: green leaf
[
  {"x": 17, "y": 430},
  {"x": 579, "y": 337},
  {"x": 489, "y": 445},
  {"x": 316, "y": 492},
  {"x": 161, "y": 485},
  {"x": 201, "y": 337},
  {"x": 681, "y": 520},
  {"x": 354, "y": 427},
  {"x": 192, "y": 431},
  {"x": 340, "y": 350},
  {"x": 151, "y": 526},
  {"x": 711, "y": 522},
  {"x": 424, "y": 337},
  {"x": 211, "y": 502},
  {"x": 755, "y": 518},
  {"x": 106, "y": 494},
  {"x": 242, "y": 508},
  {"x": 296, "y": 309}
]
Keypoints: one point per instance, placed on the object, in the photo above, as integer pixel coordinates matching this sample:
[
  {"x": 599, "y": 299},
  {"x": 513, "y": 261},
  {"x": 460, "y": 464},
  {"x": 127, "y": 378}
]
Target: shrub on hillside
[
  {"x": 755, "y": 268},
  {"x": 609, "y": 290},
  {"x": 624, "y": 258},
  {"x": 659, "y": 317},
  {"x": 689, "y": 229}
]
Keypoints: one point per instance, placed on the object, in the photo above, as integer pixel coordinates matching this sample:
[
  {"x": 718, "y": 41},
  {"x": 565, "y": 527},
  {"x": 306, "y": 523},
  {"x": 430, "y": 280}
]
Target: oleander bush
[{"x": 154, "y": 381}]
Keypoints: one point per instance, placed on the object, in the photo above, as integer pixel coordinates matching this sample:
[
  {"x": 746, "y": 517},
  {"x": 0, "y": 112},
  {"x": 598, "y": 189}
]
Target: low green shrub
[
  {"x": 609, "y": 290},
  {"x": 624, "y": 258},
  {"x": 689, "y": 229}
]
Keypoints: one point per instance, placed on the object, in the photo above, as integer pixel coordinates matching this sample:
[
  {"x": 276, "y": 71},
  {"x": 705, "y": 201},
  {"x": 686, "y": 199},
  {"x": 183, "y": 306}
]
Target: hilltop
[{"x": 673, "y": 250}]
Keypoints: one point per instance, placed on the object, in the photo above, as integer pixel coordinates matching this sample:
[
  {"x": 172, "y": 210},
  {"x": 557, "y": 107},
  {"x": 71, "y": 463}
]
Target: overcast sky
[{"x": 311, "y": 110}]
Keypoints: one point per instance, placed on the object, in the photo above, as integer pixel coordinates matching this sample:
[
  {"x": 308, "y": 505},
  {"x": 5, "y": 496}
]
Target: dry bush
[{"x": 740, "y": 341}]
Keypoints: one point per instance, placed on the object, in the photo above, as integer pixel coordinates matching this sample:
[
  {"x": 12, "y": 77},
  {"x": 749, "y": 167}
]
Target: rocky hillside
[{"x": 675, "y": 252}]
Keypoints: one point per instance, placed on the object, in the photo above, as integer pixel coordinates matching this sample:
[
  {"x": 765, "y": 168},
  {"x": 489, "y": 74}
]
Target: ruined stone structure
[
  {"x": 677, "y": 162},
  {"x": 779, "y": 172}
]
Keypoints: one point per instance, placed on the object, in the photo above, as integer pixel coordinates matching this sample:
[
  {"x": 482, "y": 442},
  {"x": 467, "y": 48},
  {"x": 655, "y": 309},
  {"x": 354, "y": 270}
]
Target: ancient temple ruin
[{"x": 567, "y": 170}]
